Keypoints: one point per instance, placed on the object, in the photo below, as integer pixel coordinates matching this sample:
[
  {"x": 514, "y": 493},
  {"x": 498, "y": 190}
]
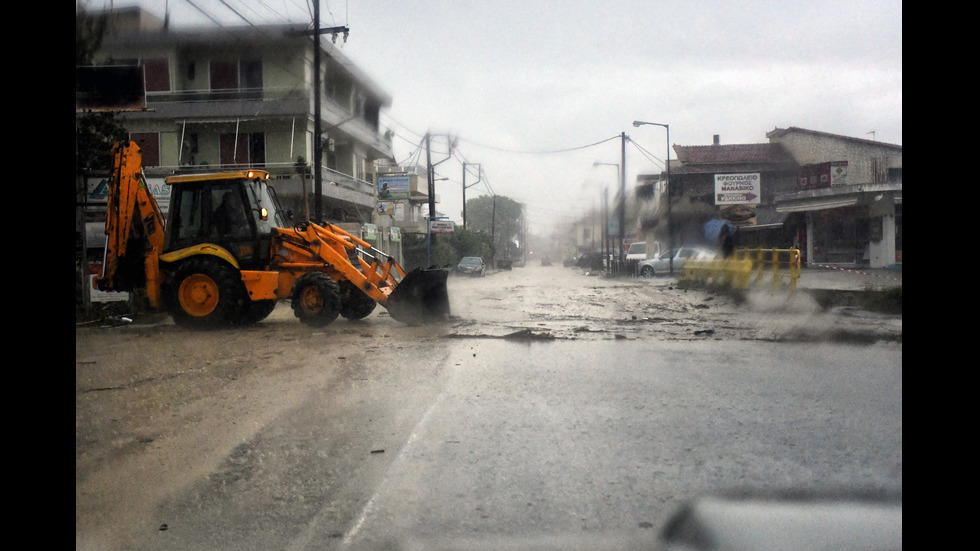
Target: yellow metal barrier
[{"x": 737, "y": 270}]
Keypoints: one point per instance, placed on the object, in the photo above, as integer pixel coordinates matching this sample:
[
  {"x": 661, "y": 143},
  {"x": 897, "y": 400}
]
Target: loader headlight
[{"x": 263, "y": 213}]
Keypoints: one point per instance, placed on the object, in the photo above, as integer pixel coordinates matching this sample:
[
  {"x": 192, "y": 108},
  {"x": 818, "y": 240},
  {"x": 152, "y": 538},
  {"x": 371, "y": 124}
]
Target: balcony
[{"x": 222, "y": 104}]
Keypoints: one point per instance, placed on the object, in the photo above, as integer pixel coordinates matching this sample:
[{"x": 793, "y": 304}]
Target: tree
[
  {"x": 95, "y": 133},
  {"x": 500, "y": 217}
]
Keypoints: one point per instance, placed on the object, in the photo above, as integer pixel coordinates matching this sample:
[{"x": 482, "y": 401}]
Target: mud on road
[
  {"x": 568, "y": 304},
  {"x": 152, "y": 397}
]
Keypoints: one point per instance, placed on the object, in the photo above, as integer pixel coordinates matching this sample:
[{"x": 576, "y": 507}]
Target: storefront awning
[{"x": 821, "y": 204}]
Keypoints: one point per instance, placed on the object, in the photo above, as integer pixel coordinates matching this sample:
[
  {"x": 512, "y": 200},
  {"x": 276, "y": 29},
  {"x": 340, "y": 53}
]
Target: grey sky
[{"x": 513, "y": 79}]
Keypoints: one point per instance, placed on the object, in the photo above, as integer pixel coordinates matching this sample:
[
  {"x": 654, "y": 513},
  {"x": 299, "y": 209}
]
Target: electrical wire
[
  {"x": 548, "y": 152},
  {"x": 650, "y": 156}
]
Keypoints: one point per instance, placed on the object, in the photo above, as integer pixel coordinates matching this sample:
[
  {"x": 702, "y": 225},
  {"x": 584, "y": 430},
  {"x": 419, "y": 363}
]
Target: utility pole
[
  {"x": 493, "y": 231},
  {"x": 605, "y": 227},
  {"x": 317, "y": 130},
  {"x": 430, "y": 172},
  {"x": 479, "y": 174},
  {"x": 430, "y": 182},
  {"x": 622, "y": 207}
]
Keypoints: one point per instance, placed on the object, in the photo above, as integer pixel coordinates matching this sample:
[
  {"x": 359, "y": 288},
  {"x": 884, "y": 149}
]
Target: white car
[
  {"x": 661, "y": 265},
  {"x": 638, "y": 252}
]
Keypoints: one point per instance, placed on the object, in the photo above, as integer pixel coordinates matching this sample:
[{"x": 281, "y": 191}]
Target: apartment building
[{"x": 232, "y": 97}]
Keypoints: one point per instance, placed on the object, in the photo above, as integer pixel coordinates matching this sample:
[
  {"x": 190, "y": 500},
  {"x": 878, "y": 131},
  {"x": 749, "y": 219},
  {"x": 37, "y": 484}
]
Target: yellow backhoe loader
[{"x": 224, "y": 256}]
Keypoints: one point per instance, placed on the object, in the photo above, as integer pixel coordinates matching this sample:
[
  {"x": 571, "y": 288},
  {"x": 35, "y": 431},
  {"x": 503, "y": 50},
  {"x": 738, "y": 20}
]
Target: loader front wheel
[
  {"x": 204, "y": 292},
  {"x": 316, "y": 299},
  {"x": 354, "y": 303}
]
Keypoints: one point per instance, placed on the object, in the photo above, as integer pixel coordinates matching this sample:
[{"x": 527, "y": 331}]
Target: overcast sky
[{"x": 528, "y": 85}]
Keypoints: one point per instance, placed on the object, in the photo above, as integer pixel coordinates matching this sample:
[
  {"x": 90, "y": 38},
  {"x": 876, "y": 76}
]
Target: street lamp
[
  {"x": 605, "y": 218},
  {"x": 670, "y": 229}
]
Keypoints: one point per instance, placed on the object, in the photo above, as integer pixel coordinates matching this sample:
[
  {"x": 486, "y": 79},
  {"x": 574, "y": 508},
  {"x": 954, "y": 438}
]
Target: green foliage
[
  {"x": 95, "y": 132},
  {"x": 443, "y": 252},
  {"x": 498, "y": 216},
  {"x": 414, "y": 251},
  {"x": 471, "y": 243},
  {"x": 446, "y": 249}
]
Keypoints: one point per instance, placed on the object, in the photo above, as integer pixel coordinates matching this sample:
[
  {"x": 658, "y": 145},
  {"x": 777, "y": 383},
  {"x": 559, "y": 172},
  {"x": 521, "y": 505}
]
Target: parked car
[
  {"x": 638, "y": 252},
  {"x": 589, "y": 261},
  {"x": 661, "y": 264},
  {"x": 471, "y": 265}
]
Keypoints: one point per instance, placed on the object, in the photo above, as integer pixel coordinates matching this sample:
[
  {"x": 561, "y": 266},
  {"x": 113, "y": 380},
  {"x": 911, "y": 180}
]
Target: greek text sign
[
  {"x": 737, "y": 189},
  {"x": 441, "y": 226}
]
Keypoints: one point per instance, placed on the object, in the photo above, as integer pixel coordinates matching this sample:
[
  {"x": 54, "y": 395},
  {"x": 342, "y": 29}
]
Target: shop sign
[{"x": 738, "y": 189}]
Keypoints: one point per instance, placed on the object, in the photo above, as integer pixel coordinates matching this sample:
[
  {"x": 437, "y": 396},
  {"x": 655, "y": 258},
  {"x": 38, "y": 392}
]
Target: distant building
[
  {"x": 836, "y": 198},
  {"x": 848, "y": 199}
]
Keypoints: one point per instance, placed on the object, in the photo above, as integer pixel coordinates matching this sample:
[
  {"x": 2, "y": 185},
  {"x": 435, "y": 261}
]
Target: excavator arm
[{"x": 134, "y": 229}]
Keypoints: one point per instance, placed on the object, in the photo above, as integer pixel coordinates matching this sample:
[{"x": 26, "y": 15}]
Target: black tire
[
  {"x": 204, "y": 292},
  {"x": 254, "y": 311},
  {"x": 647, "y": 271},
  {"x": 316, "y": 299},
  {"x": 354, "y": 303}
]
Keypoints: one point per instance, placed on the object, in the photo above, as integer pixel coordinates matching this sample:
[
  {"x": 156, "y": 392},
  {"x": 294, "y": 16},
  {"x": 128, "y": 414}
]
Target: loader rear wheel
[
  {"x": 316, "y": 299},
  {"x": 204, "y": 292},
  {"x": 354, "y": 303}
]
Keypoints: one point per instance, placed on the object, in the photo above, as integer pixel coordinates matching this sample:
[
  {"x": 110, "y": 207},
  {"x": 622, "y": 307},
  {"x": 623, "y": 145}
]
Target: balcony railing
[
  {"x": 197, "y": 96},
  {"x": 277, "y": 171}
]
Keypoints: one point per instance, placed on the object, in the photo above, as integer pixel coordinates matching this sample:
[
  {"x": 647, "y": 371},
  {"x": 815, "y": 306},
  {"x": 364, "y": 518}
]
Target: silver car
[
  {"x": 661, "y": 264},
  {"x": 471, "y": 265}
]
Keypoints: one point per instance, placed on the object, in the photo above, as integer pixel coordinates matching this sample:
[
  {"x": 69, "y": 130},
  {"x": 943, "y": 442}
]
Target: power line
[
  {"x": 541, "y": 152},
  {"x": 236, "y": 12},
  {"x": 647, "y": 154}
]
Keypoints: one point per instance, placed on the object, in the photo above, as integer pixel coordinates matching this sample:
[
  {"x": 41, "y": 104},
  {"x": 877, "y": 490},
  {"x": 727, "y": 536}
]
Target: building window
[
  {"x": 157, "y": 75},
  {"x": 243, "y": 75},
  {"x": 189, "y": 150},
  {"x": 243, "y": 149},
  {"x": 251, "y": 78},
  {"x": 224, "y": 75},
  {"x": 149, "y": 143},
  {"x": 256, "y": 149}
]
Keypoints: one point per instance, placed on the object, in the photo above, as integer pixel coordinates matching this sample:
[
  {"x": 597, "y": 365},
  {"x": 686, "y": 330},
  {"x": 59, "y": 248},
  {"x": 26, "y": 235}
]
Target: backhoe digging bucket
[{"x": 421, "y": 297}]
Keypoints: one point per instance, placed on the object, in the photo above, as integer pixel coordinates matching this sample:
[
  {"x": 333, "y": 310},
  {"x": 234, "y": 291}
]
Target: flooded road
[
  {"x": 568, "y": 303},
  {"x": 554, "y": 409}
]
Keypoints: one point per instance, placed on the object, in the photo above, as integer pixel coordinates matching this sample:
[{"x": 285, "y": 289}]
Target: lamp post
[
  {"x": 670, "y": 229},
  {"x": 605, "y": 218}
]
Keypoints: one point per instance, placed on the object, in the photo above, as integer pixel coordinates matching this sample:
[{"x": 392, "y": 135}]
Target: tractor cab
[{"x": 235, "y": 210}]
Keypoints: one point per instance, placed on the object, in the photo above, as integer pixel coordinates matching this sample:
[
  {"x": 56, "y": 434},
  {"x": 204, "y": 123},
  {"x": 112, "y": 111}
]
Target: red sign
[{"x": 823, "y": 175}]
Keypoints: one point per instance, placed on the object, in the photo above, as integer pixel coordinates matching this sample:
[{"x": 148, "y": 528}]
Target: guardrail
[{"x": 746, "y": 267}]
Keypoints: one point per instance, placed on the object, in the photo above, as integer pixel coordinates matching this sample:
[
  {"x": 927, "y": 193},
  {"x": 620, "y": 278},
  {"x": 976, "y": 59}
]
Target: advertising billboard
[
  {"x": 394, "y": 187},
  {"x": 110, "y": 88}
]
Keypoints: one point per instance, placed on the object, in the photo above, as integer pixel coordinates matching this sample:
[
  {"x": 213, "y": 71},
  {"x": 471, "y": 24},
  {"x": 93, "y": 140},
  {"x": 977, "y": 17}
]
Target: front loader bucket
[{"x": 421, "y": 297}]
